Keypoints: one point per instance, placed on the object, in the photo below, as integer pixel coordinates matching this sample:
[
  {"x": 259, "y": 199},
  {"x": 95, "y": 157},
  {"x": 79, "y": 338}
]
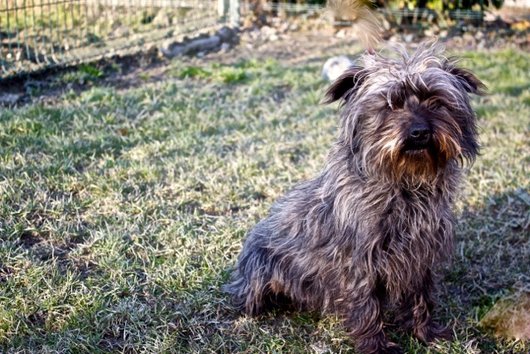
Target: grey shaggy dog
[{"x": 366, "y": 236}]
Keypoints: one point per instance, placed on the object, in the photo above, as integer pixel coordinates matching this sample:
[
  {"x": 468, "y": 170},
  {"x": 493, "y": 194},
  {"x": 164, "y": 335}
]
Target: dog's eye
[
  {"x": 397, "y": 101},
  {"x": 425, "y": 96},
  {"x": 398, "y": 104}
]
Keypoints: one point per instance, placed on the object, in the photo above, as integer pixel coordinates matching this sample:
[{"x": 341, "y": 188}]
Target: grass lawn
[{"x": 122, "y": 211}]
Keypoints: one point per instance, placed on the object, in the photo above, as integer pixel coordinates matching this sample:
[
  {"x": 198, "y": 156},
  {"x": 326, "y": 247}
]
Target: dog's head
[{"x": 408, "y": 115}]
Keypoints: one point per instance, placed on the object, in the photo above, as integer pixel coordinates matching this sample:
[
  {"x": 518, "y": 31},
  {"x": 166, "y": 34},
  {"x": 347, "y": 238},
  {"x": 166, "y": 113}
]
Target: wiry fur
[{"x": 367, "y": 234}]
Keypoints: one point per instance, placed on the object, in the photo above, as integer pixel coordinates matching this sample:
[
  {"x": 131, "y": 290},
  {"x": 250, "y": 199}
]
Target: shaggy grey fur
[{"x": 367, "y": 234}]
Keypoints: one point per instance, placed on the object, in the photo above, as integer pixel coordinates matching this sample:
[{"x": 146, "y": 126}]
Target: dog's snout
[
  {"x": 420, "y": 132},
  {"x": 419, "y": 136}
]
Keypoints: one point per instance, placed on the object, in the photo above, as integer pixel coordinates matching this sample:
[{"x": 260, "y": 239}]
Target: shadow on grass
[
  {"x": 515, "y": 90},
  {"x": 492, "y": 244}
]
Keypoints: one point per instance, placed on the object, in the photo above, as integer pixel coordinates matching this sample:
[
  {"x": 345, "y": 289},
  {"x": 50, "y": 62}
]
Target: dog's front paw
[
  {"x": 378, "y": 345},
  {"x": 433, "y": 331}
]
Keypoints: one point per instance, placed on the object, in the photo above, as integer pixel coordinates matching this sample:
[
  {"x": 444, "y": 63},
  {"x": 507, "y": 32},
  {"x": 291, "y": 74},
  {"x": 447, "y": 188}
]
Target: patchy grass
[
  {"x": 229, "y": 74},
  {"x": 85, "y": 73},
  {"x": 123, "y": 211}
]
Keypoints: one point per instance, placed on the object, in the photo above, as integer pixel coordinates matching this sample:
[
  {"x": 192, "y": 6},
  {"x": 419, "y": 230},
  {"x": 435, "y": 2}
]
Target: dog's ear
[
  {"x": 469, "y": 81},
  {"x": 345, "y": 85}
]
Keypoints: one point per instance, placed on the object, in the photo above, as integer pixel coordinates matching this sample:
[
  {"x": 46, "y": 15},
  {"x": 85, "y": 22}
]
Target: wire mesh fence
[
  {"x": 41, "y": 33},
  {"x": 36, "y": 34}
]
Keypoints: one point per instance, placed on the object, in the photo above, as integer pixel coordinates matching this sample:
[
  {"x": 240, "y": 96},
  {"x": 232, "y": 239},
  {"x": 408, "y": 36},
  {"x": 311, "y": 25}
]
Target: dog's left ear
[
  {"x": 345, "y": 85},
  {"x": 469, "y": 81}
]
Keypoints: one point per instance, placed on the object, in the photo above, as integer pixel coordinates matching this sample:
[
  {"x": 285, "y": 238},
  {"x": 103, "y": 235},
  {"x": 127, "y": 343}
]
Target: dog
[{"x": 366, "y": 236}]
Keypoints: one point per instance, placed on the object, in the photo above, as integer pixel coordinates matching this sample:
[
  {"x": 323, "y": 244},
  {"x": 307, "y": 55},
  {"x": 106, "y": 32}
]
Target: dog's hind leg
[
  {"x": 250, "y": 283},
  {"x": 254, "y": 286}
]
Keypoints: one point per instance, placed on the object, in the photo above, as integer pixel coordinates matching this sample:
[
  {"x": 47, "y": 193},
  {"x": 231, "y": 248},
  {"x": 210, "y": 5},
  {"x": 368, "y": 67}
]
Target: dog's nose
[{"x": 420, "y": 132}]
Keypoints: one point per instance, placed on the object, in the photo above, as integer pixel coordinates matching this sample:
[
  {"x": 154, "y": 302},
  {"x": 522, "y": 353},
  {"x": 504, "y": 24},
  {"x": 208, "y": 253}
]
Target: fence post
[
  {"x": 222, "y": 9},
  {"x": 234, "y": 13}
]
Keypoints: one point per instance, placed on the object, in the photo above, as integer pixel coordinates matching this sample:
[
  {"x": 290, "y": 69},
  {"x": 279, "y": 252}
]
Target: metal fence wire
[{"x": 35, "y": 34}]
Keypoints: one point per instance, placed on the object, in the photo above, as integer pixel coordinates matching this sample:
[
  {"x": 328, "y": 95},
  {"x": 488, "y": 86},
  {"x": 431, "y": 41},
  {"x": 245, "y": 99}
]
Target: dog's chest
[{"x": 413, "y": 233}]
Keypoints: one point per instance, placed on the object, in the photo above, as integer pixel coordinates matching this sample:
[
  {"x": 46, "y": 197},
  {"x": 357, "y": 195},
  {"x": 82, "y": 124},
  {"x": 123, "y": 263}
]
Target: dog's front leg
[
  {"x": 365, "y": 324},
  {"x": 423, "y": 325}
]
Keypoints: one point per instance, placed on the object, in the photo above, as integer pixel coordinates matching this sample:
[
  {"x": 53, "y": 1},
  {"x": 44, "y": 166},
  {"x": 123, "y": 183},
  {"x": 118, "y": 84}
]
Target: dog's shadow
[
  {"x": 491, "y": 245},
  {"x": 492, "y": 250}
]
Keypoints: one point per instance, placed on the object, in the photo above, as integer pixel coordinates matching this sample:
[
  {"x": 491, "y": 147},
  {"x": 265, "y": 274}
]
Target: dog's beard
[
  {"x": 397, "y": 159},
  {"x": 432, "y": 158},
  {"x": 418, "y": 162}
]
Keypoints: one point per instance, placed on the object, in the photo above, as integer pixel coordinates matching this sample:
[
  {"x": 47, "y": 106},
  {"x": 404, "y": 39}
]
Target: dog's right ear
[{"x": 345, "y": 85}]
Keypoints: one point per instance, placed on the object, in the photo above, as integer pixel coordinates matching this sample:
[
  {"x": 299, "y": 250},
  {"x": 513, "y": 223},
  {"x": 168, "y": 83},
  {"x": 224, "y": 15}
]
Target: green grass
[{"x": 122, "y": 212}]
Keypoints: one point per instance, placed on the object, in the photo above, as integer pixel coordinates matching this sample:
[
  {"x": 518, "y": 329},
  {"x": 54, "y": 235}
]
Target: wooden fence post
[
  {"x": 222, "y": 9},
  {"x": 234, "y": 13}
]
